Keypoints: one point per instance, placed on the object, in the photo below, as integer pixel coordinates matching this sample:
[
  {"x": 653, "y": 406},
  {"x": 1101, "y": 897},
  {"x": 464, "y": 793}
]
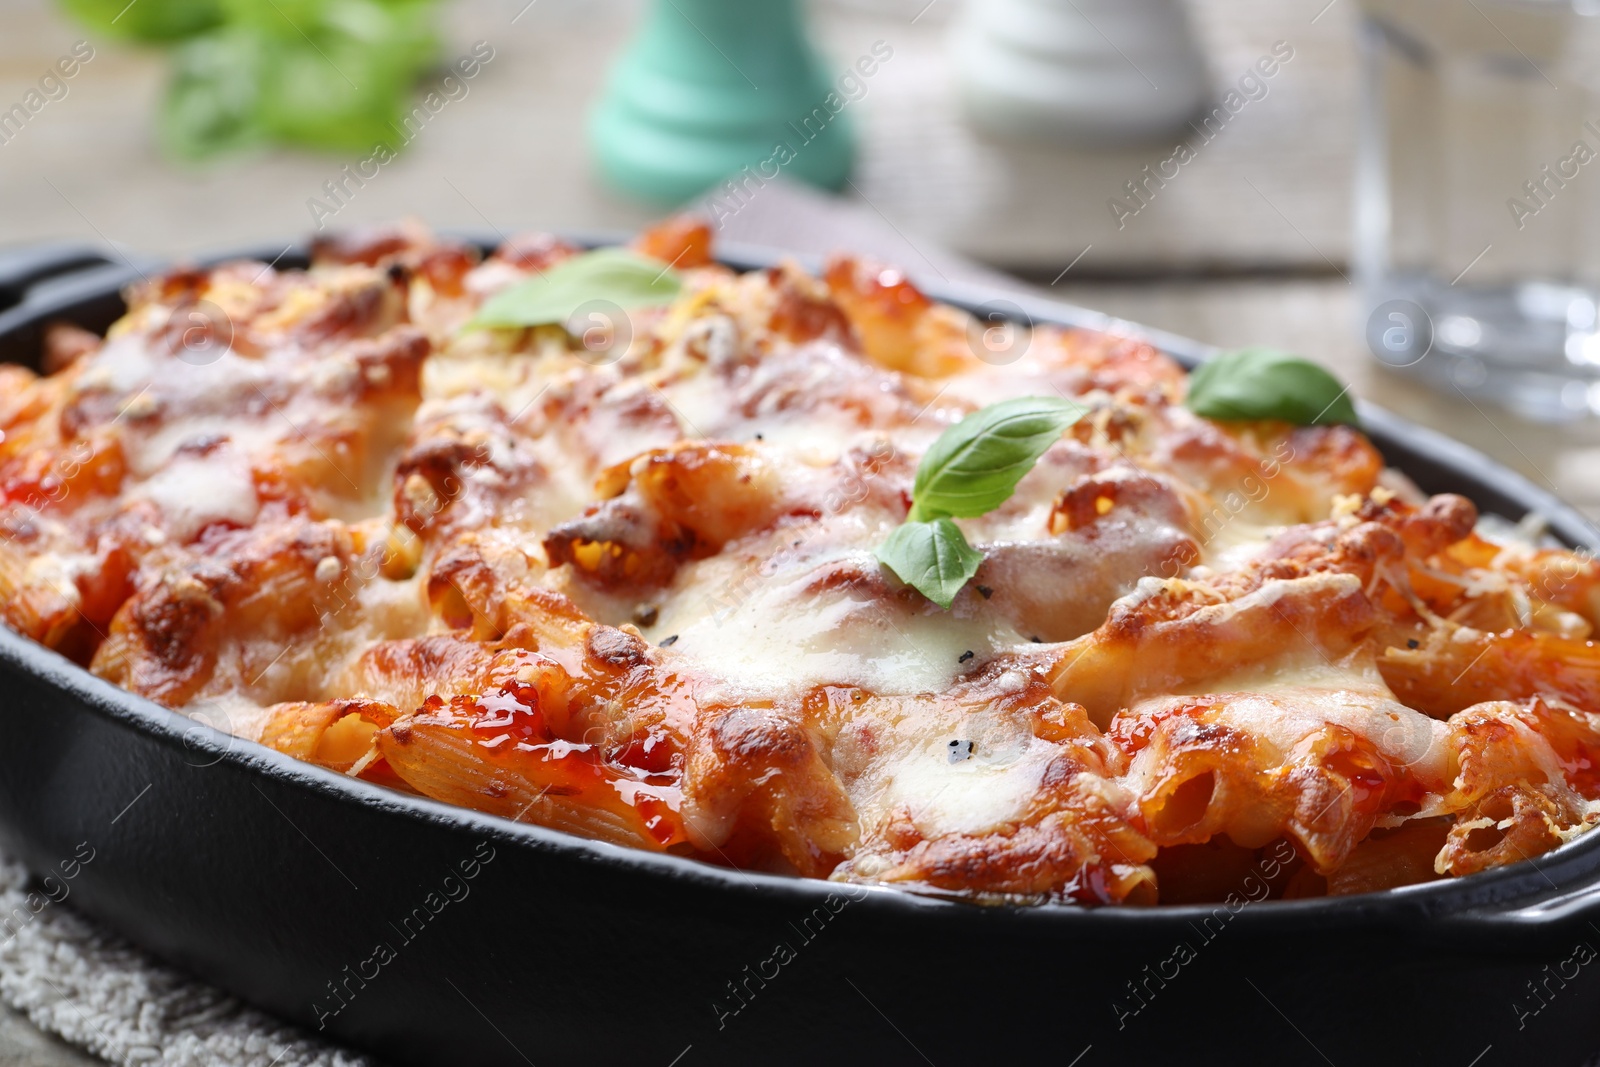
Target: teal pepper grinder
[{"x": 711, "y": 87}]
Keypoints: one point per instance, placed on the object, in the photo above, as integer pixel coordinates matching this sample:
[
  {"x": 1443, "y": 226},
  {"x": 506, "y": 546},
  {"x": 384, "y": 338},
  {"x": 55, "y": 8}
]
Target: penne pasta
[{"x": 623, "y": 576}]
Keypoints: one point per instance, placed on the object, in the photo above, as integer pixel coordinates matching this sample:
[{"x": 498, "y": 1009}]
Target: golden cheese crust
[{"x": 631, "y": 594}]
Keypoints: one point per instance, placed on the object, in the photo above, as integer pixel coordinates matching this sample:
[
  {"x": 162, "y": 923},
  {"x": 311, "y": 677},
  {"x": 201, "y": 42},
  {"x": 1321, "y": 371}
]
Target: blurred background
[{"x": 1234, "y": 231}]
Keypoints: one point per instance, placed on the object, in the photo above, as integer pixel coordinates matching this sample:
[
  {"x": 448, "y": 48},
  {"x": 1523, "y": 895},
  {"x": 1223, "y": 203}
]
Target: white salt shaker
[{"x": 1079, "y": 71}]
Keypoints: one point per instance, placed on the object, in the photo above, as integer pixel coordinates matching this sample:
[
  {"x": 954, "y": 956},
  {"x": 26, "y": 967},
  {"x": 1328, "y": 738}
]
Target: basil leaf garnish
[
  {"x": 932, "y": 557},
  {"x": 616, "y": 275},
  {"x": 975, "y": 465},
  {"x": 972, "y": 468},
  {"x": 1264, "y": 383}
]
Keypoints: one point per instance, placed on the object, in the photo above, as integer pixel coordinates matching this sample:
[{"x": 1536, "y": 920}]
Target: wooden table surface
[
  {"x": 1249, "y": 244},
  {"x": 1271, "y": 191},
  {"x": 22, "y": 1045}
]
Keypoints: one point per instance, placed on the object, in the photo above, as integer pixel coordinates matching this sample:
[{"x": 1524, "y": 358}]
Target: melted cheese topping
[
  {"x": 633, "y": 594},
  {"x": 1282, "y": 703},
  {"x": 763, "y": 646},
  {"x": 193, "y": 493}
]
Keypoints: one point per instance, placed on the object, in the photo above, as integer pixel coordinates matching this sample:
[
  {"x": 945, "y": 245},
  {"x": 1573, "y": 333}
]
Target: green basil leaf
[
  {"x": 932, "y": 557},
  {"x": 213, "y": 101},
  {"x": 975, "y": 465},
  {"x": 623, "y": 278},
  {"x": 168, "y": 20},
  {"x": 1264, "y": 383}
]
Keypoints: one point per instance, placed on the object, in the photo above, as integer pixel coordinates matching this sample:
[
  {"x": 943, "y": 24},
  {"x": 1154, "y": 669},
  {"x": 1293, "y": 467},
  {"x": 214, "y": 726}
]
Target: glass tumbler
[{"x": 1477, "y": 232}]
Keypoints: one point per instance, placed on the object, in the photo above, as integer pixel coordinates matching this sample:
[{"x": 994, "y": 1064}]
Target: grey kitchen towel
[{"x": 76, "y": 980}]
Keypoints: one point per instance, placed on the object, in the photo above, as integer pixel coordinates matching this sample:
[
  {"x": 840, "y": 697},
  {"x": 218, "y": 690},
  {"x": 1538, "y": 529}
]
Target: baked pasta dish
[{"x": 624, "y": 575}]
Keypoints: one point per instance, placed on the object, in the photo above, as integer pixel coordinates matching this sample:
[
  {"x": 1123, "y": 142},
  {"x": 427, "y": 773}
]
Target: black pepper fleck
[
  {"x": 760, "y": 438},
  {"x": 965, "y": 656},
  {"x": 666, "y": 641},
  {"x": 1036, "y": 639},
  {"x": 1412, "y": 642},
  {"x": 646, "y": 616},
  {"x": 985, "y": 592}
]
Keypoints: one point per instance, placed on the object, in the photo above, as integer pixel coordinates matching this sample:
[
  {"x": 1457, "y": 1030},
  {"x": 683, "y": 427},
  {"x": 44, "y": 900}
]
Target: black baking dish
[{"x": 429, "y": 934}]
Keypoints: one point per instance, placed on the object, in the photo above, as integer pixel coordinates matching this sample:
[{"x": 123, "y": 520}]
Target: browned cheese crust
[{"x": 631, "y": 594}]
